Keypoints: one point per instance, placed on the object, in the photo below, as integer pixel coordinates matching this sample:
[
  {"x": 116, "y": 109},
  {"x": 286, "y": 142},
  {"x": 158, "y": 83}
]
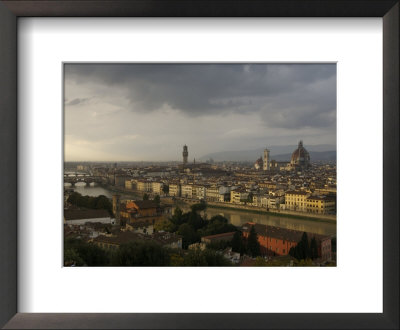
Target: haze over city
[{"x": 136, "y": 112}]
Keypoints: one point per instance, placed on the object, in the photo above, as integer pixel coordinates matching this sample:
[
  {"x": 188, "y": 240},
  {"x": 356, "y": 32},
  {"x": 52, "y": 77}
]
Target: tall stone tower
[
  {"x": 266, "y": 160},
  {"x": 185, "y": 154},
  {"x": 116, "y": 208}
]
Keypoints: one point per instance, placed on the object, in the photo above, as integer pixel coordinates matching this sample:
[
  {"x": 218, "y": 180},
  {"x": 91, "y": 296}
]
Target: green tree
[
  {"x": 238, "y": 244},
  {"x": 146, "y": 197},
  {"x": 197, "y": 257},
  {"x": 199, "y": 206},
  {"x": 165, "y": 225},
  {"x": 176, "y": 260},
  {"x": 165, "y": 189},
  {"x": 72, "y": 258},
  {"x": 250, "y": 198},
  {"x": 141, "y": 253},
  {"x": 177, "y": 218},
  {"x": 333, "y": 244},
  {"x": 260, "y": 262},
  {"x": 189, "y": 235},
  {"x": 314, "y": 248},
  {"x": 302, "y": 250},
  {"x": 99, "y": 202},
  {"x": 157, "y": 199},
  {"x": 89, "y": 254},
  {"x": 195, "y": 220},
  {"x": 253, "y": 246},
  {"x": 216, "y": 225}
]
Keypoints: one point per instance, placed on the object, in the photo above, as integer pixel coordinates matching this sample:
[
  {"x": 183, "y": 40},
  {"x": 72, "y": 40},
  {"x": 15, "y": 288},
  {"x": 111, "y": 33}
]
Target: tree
[
  {"x": 83, "y": 253},
  {"x": 260, "y": 262},
  {"x": 306, "y": 246},
  {"x": 146, "y": 197},
  {"x": 197, "y": 257},
  {"x": 302, "y": 250},
  {"x": 177, "y": 218},
  {"x": 141, "y": 253},
  {"x": 333, "y": 244},
  {"x": 165, "y": 225},
  {"x": 314, "y": 248},
  {"x": 253, "y": 246},
  {"x": 217, "y": 225},
  {"x": 238, "y": 243},
  {"x": 157, "y": 199},
  {"x": 99, "y": 202},
  {"x": 165, "y": 189},
  {"x": 189, "y": 235},
  {"x": 195, "y": 220},
  {"x": 72, "y": 258},
  {"x": 199, "y": 206}
]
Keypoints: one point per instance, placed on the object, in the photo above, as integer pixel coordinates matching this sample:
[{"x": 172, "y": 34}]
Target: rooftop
[{"x": 78, "y": 214}]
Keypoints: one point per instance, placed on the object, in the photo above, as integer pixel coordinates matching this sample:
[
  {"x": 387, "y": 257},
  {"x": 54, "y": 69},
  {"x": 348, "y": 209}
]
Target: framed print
[{"x": 97, "y": 78}]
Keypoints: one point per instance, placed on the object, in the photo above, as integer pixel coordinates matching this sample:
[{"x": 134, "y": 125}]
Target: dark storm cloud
[{"x": 284, "y": 95}]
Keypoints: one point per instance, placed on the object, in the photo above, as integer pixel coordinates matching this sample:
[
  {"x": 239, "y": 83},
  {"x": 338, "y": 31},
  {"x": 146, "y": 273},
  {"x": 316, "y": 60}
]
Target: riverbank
[
  {"x": 281, "y": 213},
  {"x": 241, "y": 208},
  {"x": 120, "y": 190}
]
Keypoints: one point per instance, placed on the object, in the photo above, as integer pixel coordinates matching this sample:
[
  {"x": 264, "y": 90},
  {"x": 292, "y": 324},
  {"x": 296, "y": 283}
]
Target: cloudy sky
[{"x": 133, "y": 112}]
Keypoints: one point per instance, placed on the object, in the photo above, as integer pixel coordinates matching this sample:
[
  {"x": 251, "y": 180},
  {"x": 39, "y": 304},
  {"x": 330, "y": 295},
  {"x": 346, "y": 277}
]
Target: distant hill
[{"x": 280, "y": 153}]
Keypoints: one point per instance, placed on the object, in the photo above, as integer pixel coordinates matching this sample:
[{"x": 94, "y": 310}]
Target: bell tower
[
  {"x": 185, "y": 154},
  {"x": 266, "y": 160}
]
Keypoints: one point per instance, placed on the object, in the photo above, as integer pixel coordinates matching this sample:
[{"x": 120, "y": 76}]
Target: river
[{"x": 236, "y": 217}]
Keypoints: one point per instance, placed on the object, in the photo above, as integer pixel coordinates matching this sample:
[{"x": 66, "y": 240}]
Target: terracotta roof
[
  {"x": 219, "y": 235},
  {"x": 294, "y": 192},
  {"x": 146, "y": 204},
  {"x": 281, "y": 233}
]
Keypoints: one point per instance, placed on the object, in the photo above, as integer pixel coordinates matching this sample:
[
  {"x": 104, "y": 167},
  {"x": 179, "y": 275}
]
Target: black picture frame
[{"x": 10, "y": 10}]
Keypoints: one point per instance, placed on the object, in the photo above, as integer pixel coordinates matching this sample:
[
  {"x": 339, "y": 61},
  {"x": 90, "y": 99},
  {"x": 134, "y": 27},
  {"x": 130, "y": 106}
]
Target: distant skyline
[{"x": 147, "y": 112}]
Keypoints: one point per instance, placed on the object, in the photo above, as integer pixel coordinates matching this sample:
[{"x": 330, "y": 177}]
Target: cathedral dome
[
  {"x": 258, "y": 164},
  {"x": 300, "y": 157}
]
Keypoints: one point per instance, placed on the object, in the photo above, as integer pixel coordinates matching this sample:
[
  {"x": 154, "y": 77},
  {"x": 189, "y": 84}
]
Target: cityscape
[{"x": 214, "y": 201}]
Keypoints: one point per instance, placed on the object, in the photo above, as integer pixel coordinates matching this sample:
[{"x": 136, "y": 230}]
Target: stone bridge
[{"x": 86, "y": 179}]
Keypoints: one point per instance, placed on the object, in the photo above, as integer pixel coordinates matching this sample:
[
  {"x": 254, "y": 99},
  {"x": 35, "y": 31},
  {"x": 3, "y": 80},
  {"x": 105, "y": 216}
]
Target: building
[
  {"x": 129, "y": 184},
  {"x": 144, "y": 186},
  {"x": 212, "y": 194},
  {"x": 258, "y": 165},
  {"x": 300, "y": 158},
  {"x": 321, "y": 204},
  {"x": 141, "y": 211},
  {"x": 185, "y": 154},
  {"x": 217, "y": 238},
  {"x": 187, "y": 190},
  {"x": 296, "y": 200},
  {"x": 199, "y": 192},
  {"x": 157, "y": 187},
  {"x": 175, "y": 189},
  {"x": 239, "y": 196},
  {"x": 266, "y": 160},
  {"x": 120, "y": 179},
  {"x": 276, "y": 241},
  {"x": 80, "y": 217}
]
